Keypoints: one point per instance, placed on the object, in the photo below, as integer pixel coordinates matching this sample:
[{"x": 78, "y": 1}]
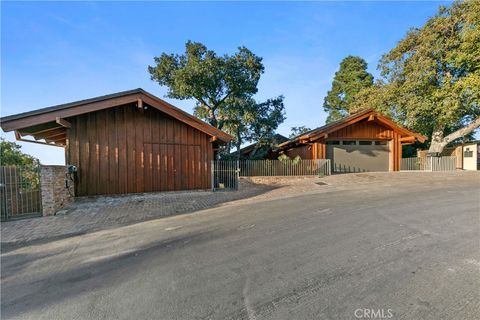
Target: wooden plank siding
[
  {"x": 130, "y": 150},
  {"x": 305, "y": 152},
  {"x": 363, "y": 130}
]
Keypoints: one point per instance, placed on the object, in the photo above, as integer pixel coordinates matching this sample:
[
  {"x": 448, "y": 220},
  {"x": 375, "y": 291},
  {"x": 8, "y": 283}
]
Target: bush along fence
[
  {"x": 428, "y": 164},
  {"x": 226, "y": 173}
]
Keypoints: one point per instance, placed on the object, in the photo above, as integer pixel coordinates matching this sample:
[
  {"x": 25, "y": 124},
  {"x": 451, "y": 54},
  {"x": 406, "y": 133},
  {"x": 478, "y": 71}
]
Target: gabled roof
[
  {"x": 349, "y": 120},
  {"x": 45, "y": 120}
]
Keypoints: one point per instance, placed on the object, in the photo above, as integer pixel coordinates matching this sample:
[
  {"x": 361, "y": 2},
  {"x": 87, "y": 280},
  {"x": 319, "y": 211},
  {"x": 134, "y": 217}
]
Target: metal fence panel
[
  {"x": 443, "y": 163},
  {"x": 428, "y": 164},
  {"x": 282, "y": 168},
  {"x": 225, "y": 175},
  {"x": 19, "y": 192}
]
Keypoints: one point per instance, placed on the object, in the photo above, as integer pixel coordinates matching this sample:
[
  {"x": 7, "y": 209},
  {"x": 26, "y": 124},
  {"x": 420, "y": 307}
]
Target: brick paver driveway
[{"x": 98, "y": 213}]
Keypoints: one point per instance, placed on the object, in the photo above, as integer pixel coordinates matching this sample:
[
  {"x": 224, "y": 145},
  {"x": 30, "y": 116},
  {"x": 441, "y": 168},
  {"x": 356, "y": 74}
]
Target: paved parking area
[{"x": 93, "y": 214}]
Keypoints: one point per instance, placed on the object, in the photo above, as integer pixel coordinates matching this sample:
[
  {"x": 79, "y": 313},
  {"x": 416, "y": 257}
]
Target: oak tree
[
  {"x": 223, "y": 88},
  {"x": 431, "y": 79}
]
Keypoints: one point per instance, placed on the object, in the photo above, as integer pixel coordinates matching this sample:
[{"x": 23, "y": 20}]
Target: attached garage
[
  {"x": 127, "y": 142},
  {"x": 363, "y": 142}
]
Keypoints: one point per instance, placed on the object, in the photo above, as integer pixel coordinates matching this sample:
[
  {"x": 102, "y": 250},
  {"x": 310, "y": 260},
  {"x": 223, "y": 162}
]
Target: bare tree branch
[{"x": 463, "y": 131}]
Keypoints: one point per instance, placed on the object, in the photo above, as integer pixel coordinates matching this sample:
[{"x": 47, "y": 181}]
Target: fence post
[
  {"x": 237, "y": 177},
  {"x": 212, "y": 174}
]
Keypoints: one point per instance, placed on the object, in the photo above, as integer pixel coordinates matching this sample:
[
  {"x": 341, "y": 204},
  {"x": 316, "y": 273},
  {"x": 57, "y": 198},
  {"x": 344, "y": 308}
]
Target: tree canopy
[
  {"x": 212, "y": 80},
  {"x": 248, "y": 120},
  {"x": 431, "y": 79},
  {"x": 347, "y": 82},
  {"x": 296, "y": 131},
  {"x": 11, "y": 155},
  {"x": 223, "y": 88}
]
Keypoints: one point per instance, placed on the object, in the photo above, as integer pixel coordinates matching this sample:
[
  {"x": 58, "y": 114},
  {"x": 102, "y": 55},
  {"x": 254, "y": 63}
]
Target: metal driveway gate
[
  {"x": 20, "y": 192},
  {"x": 225, "y": 175}
]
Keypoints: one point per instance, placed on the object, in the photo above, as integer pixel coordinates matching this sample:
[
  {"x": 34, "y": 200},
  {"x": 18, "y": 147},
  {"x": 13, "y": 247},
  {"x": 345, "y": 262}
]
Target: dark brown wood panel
[
  {"x": 93, "y": 157},
  {"x": 129, "y": 150},
  {"x": 304, "y": 151}
]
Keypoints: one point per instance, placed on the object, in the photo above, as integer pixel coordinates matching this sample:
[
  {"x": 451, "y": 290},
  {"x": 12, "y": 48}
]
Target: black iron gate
[{"x": 20, "y": 192}]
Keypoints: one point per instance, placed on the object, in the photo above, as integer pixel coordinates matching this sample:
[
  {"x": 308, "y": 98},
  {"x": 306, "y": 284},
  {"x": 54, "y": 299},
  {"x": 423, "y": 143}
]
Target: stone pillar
[{"x": 54, "y": 191}]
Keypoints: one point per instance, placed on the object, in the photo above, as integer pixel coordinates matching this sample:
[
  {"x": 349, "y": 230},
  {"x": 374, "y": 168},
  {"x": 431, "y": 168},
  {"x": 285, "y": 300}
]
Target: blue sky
[{"x": 58, "y": 52}]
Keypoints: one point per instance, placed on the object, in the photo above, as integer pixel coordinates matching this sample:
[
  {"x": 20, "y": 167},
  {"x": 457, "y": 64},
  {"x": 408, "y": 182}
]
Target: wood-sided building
[
  {"x": 127, "y": 142},
  {"x": 364, "y": 141}
]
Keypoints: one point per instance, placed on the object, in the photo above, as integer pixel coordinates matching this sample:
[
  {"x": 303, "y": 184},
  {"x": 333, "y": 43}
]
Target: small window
[
  {"x": 333, "y": 142},
  {"x": 349, "y": 143},
  {"x": 380, "y": 143},
  {"x": 365, "y": 143}
]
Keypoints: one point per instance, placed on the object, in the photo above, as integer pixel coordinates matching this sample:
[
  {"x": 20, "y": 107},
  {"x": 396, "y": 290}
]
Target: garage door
[{"x": 358, "y": 156}]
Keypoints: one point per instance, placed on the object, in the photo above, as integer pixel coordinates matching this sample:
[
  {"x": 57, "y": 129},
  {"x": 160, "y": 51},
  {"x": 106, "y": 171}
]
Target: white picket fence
[{"x": 429, "y": 164}]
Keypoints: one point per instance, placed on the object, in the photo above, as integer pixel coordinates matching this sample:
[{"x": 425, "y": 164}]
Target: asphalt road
[{"x": 406, "y": 250}]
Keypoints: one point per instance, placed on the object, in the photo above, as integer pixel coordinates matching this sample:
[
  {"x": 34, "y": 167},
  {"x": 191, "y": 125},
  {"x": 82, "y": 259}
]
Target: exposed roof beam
[
  {"x": 409, "y": 139},
  {"x": 19, "y": 138},
  {"x": 39, "y": 132},
  {"x": 64, "y": 123},
  {"x": 52, "y": 136},
  {"x": 47, "y": 134},
  {"x": 56, "y": 141},
  {"x": 58, "y": 138}
]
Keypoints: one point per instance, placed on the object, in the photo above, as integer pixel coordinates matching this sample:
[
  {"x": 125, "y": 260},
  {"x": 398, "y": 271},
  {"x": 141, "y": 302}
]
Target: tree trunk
[
  {"x": 212, "y": 119},
  {"x": 439, "y": 142},
  {"x": 238, "y": 144}
]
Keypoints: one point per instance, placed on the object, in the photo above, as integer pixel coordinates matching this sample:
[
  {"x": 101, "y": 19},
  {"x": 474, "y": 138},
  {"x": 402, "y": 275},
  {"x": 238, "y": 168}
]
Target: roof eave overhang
[
  {"x": 22, "y": 121},
  {"x": 324, "y": 131}
]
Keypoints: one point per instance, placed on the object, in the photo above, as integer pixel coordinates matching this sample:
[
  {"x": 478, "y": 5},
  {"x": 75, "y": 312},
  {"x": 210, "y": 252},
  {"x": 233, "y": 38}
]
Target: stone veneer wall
[{"x": 54, "y": 193}]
